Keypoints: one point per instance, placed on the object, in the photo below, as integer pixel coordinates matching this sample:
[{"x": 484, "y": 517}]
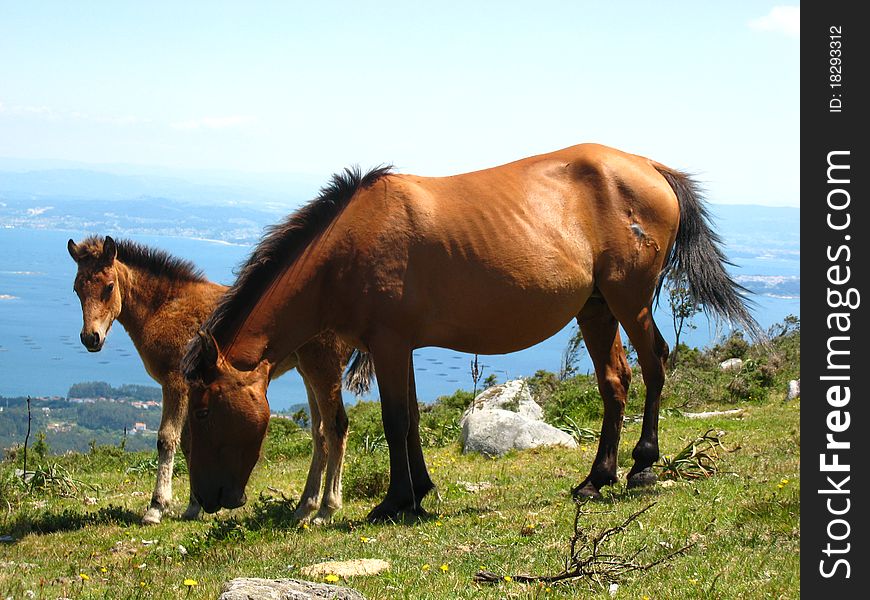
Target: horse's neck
[
  {"x": 282, "y": 319},
  {"x": 142, "y": 294}
]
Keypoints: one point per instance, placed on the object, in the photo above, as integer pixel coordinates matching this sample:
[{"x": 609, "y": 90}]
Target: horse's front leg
[
  {"x": 419, "y": 473},
  {"x": 392, "y": 362},
  {"x": 168, "y": 438}
]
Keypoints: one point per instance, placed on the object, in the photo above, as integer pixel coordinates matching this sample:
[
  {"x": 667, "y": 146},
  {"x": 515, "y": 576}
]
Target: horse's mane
[
  {"x": 157, "y": 262},
  {"x": 283, "y": 242}
]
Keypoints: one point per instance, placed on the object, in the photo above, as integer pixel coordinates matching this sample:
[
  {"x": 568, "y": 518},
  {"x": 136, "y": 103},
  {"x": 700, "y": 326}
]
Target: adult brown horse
[
  {"x": 161, "y": 301},
  {"x": 487, "y": 262}
]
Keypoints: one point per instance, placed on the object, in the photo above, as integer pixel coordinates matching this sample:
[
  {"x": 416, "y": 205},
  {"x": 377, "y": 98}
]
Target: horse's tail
[
  {"x": 360, "y": 372},
  {"x": 697, "y": 258}
]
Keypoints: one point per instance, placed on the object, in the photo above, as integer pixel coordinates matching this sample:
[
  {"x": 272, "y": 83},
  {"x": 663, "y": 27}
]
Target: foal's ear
[
  {"x": 73, "y": 250},
  {"x": 110, "y": 250}
]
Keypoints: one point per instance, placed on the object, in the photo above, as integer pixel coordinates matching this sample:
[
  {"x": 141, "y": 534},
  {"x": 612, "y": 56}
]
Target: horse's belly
[{"x": 499, "y": 324}]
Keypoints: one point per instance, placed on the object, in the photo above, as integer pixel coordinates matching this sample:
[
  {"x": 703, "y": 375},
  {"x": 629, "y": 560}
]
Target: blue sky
[{"x": 435, "y": 88}]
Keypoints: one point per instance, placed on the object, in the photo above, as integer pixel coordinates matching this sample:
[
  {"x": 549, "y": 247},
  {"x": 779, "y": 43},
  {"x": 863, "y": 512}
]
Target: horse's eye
[
  {"x": 110, "y": 288},
  {"x": 200, "y": 413}
]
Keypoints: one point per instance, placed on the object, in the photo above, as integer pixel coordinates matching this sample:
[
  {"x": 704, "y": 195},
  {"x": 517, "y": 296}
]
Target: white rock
[
  {"x": 732, "y": 364},
  {"x": 794, "y": 389},
  {"x": 495, "y": 432},
  {"x": 513, "y": 395}
]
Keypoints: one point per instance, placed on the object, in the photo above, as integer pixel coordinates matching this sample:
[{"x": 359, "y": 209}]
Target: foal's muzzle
[{"x": 92, "y": 341}]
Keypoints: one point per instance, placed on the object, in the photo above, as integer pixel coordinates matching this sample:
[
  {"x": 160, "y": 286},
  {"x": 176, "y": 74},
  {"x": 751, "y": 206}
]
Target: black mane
[{"x": 283, "y": 242}]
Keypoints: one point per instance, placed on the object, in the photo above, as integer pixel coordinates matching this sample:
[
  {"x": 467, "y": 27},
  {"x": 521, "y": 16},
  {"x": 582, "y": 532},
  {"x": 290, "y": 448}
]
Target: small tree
[
  {"x": 571, "y": 356},
  {"x": 683, "y": 308}
]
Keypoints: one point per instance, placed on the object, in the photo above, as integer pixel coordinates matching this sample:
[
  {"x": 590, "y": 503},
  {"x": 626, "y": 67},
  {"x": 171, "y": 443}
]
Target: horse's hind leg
[
  {"x": 168, "y": 437},
  {"x": 652, "y": 356},
  {"x": 334, "y": 425},
  {"x": 601, "y": 334}
]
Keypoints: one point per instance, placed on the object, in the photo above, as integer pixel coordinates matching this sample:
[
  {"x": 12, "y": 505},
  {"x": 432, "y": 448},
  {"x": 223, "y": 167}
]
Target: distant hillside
[{"x": 75, "y": 425}]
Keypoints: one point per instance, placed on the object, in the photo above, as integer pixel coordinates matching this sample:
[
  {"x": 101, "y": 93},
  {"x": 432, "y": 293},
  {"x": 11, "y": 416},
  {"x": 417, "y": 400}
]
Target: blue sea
[{"x": 40, "y": 316}]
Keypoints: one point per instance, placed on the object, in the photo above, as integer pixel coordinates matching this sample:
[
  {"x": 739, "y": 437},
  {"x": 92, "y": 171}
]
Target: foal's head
[
  {"x": 228, "y": 415},
  {"x": 96, "y": 285}
]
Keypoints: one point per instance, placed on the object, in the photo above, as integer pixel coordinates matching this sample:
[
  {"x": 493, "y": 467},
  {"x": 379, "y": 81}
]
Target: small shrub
[
  {"x": 366, "y": 476},
  {"x": 698, "y": 459},
  {"x": 286, "y": 439},
  {"x": 575, "y": 401},
  {"x": 365, "y": 423}
]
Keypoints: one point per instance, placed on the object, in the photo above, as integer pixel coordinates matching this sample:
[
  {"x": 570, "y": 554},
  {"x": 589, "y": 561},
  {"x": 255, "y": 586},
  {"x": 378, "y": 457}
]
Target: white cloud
[
  {"x": 780, "y": 19},
  {"x": 214, "y": 122}
]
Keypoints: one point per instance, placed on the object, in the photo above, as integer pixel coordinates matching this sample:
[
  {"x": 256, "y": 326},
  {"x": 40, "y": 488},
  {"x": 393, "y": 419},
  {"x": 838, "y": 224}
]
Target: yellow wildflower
[
  {"x": 84, "y": 576},
  {"x": 426, "y": 567},
  {"x": 331, "y": 578},
  {"x": 445, "y": 567},
  {"x": 507, "y": 578},
  {"x": 190, "y": 582}
]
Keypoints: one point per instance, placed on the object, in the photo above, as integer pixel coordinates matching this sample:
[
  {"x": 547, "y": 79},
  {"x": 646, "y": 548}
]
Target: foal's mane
[
  {"x": 157, "y": 262},
  {"x": 283, "y": 242}
]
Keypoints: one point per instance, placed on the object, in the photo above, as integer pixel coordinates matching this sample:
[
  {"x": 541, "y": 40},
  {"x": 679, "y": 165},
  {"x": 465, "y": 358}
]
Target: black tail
[
  {"x": 697, "y": 259},
  {"x": 360, "y": 372}
]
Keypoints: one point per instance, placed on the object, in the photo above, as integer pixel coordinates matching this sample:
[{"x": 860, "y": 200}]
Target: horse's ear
[
  {"x": 110, "y": 249},
  {"x": 210, "y": 353},
  {"x": 73, "y": 250}
]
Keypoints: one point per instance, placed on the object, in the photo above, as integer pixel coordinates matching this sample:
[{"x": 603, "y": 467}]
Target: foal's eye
[{"x": 200, "y": 413}]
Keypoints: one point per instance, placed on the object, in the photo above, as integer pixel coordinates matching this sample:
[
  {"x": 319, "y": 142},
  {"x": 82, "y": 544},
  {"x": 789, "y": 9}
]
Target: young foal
[{"x": 161, "y": 301}]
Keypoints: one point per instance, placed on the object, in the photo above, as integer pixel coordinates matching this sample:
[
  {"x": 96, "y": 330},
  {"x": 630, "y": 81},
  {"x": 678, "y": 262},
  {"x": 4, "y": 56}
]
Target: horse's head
[
  {"x": 228, "y": 415},
  {"x": 96, "y": 285}
]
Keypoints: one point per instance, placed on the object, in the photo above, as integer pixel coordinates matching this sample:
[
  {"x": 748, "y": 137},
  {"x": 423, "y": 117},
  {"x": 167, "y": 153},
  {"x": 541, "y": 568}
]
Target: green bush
[
  {"x": 574, "y": 402},
  {"x": 286, "y": 439},
  {"x": 366, "y": 475}
]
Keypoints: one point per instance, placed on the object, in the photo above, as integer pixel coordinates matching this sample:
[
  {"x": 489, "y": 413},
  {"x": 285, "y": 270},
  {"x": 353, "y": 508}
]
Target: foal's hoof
[
  {"x": 152, "y": 516},
  {"x": 586, "y": 491},
  {"x": 642, "y": 479}
]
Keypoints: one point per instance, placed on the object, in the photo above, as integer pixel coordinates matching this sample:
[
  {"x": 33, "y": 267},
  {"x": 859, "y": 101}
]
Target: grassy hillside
[{"x": 76, "y": 533}]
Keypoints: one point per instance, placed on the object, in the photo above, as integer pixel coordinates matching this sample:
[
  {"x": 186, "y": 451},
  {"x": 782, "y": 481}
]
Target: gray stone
[
  {"x": 284, "y": 589},
  {"x": 495, "y": 432}
]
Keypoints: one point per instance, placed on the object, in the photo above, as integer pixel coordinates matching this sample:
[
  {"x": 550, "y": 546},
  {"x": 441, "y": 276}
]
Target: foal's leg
[
  {"x": 419, "y": 474},
  {"x": 168, "y": 437},
  {"x": 601, "y": 335},
  {"x": 322, "y": 362},
  {"x": 335, "y": 425},
  {"x": 311, "y": 494},
  {"x": 392, "y": 361}
]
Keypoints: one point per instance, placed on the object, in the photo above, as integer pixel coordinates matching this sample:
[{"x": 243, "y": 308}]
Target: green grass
[
  {"x": 78, "y": 535},
  {"x": 744, "y": 522}
]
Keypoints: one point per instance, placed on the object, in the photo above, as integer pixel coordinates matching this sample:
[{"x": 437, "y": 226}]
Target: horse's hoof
[
  {"x": 642, "y": 479},
  {"x": 586, "y": 491},
  {"x": 191, "y": 514},
  {"x": 388, "y": 511},
  {"x": 152, "y": 517}
]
